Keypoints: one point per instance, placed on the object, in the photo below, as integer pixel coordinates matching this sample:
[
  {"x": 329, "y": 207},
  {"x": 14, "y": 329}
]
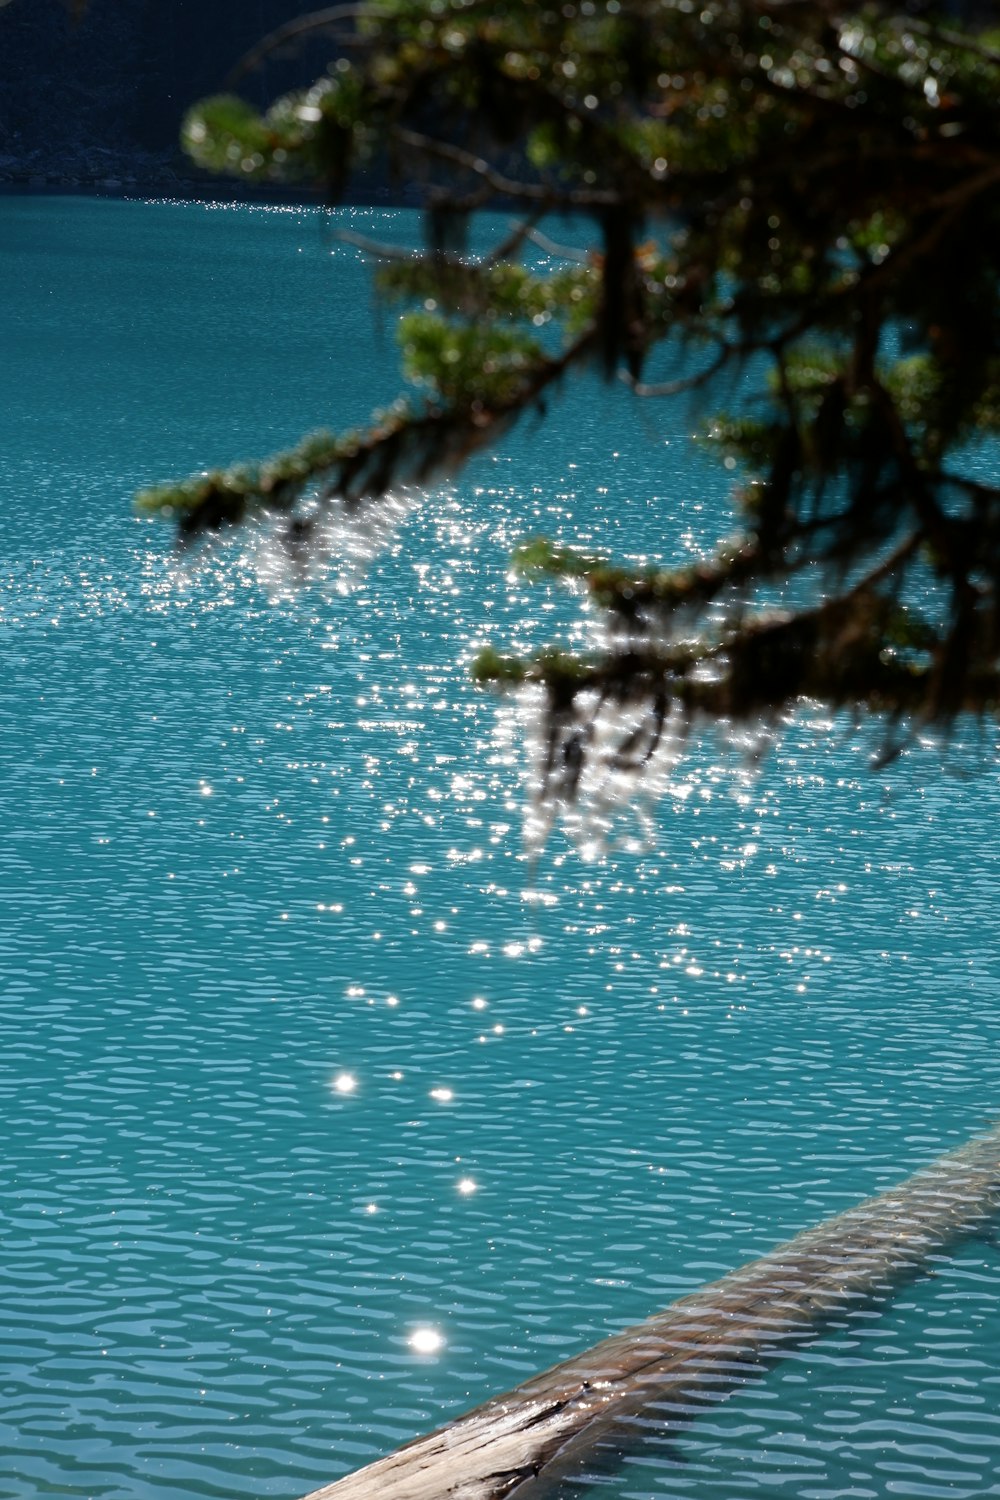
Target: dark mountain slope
[{"x": 98, "y": 100}]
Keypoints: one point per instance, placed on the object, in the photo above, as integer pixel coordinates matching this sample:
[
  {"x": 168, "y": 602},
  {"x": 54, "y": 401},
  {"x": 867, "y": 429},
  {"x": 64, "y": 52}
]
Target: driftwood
[{"x": 705, "y": 1343}]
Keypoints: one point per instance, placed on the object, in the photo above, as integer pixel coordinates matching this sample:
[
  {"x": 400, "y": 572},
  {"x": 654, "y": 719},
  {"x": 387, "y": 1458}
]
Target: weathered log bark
[{"x": 514, "y": 1444}]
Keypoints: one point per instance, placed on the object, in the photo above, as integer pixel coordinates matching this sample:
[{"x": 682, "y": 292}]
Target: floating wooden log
[{"x": 707, "y": 1342}]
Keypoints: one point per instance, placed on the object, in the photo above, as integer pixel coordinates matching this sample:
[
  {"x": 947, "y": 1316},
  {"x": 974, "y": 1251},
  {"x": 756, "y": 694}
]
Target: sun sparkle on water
[
  {"x": 185, "y": 992},
  {"x": 426, "y": 1341}
]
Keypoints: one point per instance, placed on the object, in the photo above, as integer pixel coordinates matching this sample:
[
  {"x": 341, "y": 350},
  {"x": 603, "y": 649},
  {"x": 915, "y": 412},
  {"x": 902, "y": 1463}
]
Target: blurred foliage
[{"x": 807, "y": 191}]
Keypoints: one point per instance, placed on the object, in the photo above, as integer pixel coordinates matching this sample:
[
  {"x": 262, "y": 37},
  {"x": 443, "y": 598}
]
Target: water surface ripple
[{"x": 291, "y": 1069}]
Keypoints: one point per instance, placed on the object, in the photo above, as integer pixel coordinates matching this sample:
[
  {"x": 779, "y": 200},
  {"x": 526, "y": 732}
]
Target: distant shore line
[{"x": 123, "y": 186}]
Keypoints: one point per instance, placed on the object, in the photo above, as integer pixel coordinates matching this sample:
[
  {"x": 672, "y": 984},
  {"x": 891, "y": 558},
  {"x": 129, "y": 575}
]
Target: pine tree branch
[{"x": 404, "y": 449}]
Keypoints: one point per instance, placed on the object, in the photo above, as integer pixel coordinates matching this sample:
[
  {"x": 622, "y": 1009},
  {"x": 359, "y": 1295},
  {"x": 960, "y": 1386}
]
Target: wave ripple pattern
[{"x": 325, "y": 1114}]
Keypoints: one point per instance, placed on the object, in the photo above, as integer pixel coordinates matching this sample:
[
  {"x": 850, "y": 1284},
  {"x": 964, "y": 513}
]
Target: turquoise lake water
[{"x": 299, "y": 1057}]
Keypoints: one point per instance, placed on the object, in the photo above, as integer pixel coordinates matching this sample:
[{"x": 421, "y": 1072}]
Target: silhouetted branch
[
  {"x": 497, "y": 182},
  {"x": 293, "y": 31}
]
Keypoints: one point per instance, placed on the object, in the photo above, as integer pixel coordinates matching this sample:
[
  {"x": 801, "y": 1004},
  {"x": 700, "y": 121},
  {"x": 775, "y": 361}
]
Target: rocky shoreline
[{"x": 96, "y": 169}]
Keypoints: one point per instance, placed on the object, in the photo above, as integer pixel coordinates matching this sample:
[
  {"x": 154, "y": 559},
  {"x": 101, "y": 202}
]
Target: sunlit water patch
[{"x": 327, "y": 1112}]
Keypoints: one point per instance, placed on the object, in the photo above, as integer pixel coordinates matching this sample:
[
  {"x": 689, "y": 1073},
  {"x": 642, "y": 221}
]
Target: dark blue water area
[{"x": 301, "y": 1059}]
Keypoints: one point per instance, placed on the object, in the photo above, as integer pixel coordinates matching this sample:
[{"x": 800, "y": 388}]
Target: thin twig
[
  {"x": 521, "y": 231},
  {"x": 971, "y": 486},
  {"x": 508, "y": 187},
  {"x": 684, "y": 383},
  {"x": 950, "y": 38},
  {"x": 377, "y": 248},
  {"x": 317, "y": 20},
  {"x": 551, "y": 247}
]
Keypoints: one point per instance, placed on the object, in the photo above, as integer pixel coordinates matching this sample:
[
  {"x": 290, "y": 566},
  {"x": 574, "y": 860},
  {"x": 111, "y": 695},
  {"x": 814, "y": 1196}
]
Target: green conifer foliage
[{"x": 810, "y": 191}]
